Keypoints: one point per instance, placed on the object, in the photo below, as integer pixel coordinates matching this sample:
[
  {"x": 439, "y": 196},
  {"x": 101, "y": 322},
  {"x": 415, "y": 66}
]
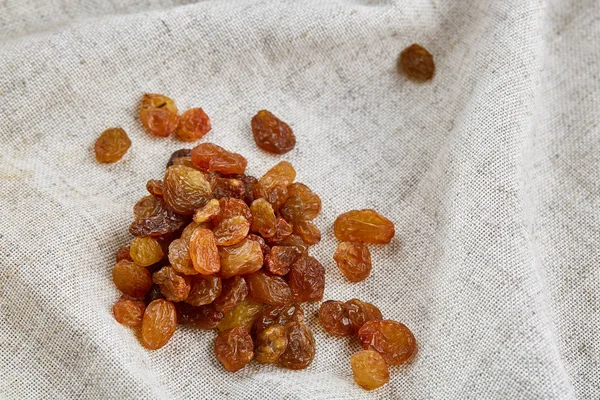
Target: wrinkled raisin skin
[
  {"x": 123, "y": 254},
  {"x": 181, "y": 153},
  {"x": 202, "y": 317},
  {"x": 393, "y": 340},
  {"x": 234, "y": 348},
  {"x": 231, "y": 231},
  {"x": 417, "y": 63},
  {"x": 369, "y": 369},
  {"x": 174, "y": 287},
  {"x": 307, "y": 280},
  {"x": 185, "y": 189},
  {"x": 270, "y": 344},
  {"x": 366, "y": 226},
  {"x": 145, "y": 251},
  {"x": 264, "y": 220},
  {"x": 280, "y": 259},
  {"x": 234, "y": 292},
  {"x": 243, "y": 314},
  {"x": 112, "y": 145},
  {"x": 203, "y": 251},
  {"x": 204, "y": 290},
  {"x": 308, "y": 231},
  {"x": 360, "y": 312},
  {"x": 272, "y": 134},
  {"x": 281, "y": 315},
  {"x": 243, "y": 258},
  {"x": 129, "y": 312},
  {"x": 179, "y": 257},
  {"x": 334, "y": 319},
  {"x": 353, "y": 260},
  {"x": 268, "y": 289},
  {"x": 210, "y": 157},
  {"x": 158, "y": 114},
  {"x": 301, "y": 347},
  {"x": 131, "y": 279},
  {"x": 193, "y": 125},
  {"x": 158, "y": 324}
]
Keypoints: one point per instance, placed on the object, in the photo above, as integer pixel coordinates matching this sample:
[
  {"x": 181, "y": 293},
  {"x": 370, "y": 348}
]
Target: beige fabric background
[{"x": 491, "y": 174}]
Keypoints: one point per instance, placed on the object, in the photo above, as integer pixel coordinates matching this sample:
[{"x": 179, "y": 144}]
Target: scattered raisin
[
  {"x": 394, "y": 341},
  {"x": 243, "y": 258},
  {"x": 231, "y": 231},
  {"x": 301, "y": 347},
  {"x": 268, "y": 289},
  {"x": 234, "y": 291},
  {"x": 264, "y": 218},
  {"x": 209, "y": 211},
  {"x": 129, "y": 312},
  {"x": 145, "y": 251},
  {"x": 270, "y": 344},
  {"x": 280, "y": 259},
  {"x": 354, "y": 260},
  {"x": 308, "y": 231},
  {"x": 360, "y": 312},
  {"x": 234, "y": 348},
  {"x": 243, "y": 315},
  {"x": 272, "y": 134},
  {"x": 203, "y": 251},
  {"x": 112, "y": 145},
  {"x": 181, "y": 153},
  {"x": 204, "y": 290},
  {"x": 210, "y": 157},
  {"x": 369, "y": 369},
  {"x": 174, "y": 287},
  {"x": 185, "y": 189},
  {"x": 417, "y": 63},
  {"x": 123, "y": 254},
  {"x": 158, "y": 324},
  {"x": 131, "y": 279},
  {"x": 202, "y": 317},
  {"x": 366, "y": 226},
  {"x": 158, "y": 114},
  {"x": 193, "y": 125},
  {"x": 334, "y": 318},
  {"x": 307, "y": 280}
]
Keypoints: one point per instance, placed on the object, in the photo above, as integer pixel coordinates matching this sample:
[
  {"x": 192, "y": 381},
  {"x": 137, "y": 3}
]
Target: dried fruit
[
  {"x": 243, "y": 258},
  {"x": 209, "y": 211},
  {"x": 174, "y": 287},
  {"x": 360, "y": 312},
  {"x": 185, "y": 189},
  {"x": 129, "y": 312},
  {"x": 294, "y": 240},
  {"x": 249, "y": 183},
  {"x": 281, "y": 315},
  {"x": 270, "y": 344},
  {"x": 203, "y": 317},
  {"x": 366, "y": 226},
  {"x": 307, "y": 280},
  {"x": 191, "y": 227},
  {"x": 277, "y": 196},
  {"x": 154, "y": 218},
  {"x": 210, "y": 157},
  {"x": 268, "y": 289},
  {"x": 203, "y": 251},
  {"x": 155, "y": 187},
  {"x": 264, "y": 218},
  {"x": 158, "y": 324},
  {"x": 280, "y": 259},
  {"x": 181, "y": 153},
  {"x": 310, "y": 201},
  {"x": 301, "y": 347},
  {"x": 282, "y": 174},
  {"x": 282, "y": 230},
  {"x": 193, "y": 125},
  {"x": 231, "y": 207},
  {"x": 263, "y": 245},
  {"x": 131, "y": 279},
  {"x": 308, "y": 231},
  {"x": 204, "y": 290},
  {"x": 231, "y": 231},
  {"x": 354, "y": 260},
  {"x": 179, "y": 257},
  {"x": 417, "y": 63},
  {"x": 158, "y": 114},
  {"x": 149, "y": 206},
  {"x": 112, "y": 145},
  {"x": 227, "y": 187},
  {"x": 234, "y": 348},
  {"x": 145, "y": 251},
  {"x": 393, "y": 340},
  {"x": 334, "y": 318},
  {"x": 234, "y": 292},
  {"x": 369, "y": 369},
  {"x": 123, "y": 254},
  {"x": 153, "y": 294},
  {"x": 243, "y": 315},
  {"x": 272, "y": 134}
]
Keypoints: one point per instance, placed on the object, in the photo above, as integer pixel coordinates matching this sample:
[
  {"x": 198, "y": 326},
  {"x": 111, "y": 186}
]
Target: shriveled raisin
[
  {"x": 129, "y": 312},
  {"x": 234, "y": 292},
  {"x": 193, "y": 125},
  {"x": 311, "y": 203},
  {"x": 234, "y": 348},
  {"x": 185, "y": 189},
  {"x": 181, "y": 153},
  {"x": 204, "y": 290},
  {"x": 202, "y": 317},
  {"x": 249, "y": 183},
  {"x": 174, "y": 287},
  {"x": 157, "y": 225},
  {"x": 263, "y": 245},
  {"x": 264, "y": 218},
  {"x": 360, "y": 312},
  {"x": 293, "y": 209},
  {"x": 282, "y": 174},
  {"x": 366, "y": 226},
  {"x": 354, "y": 260},
  {"x": 280, "y": 259},
  {"x": 301, "y": 347},
  {"x": 203, "y": 251},
  {"x": 281, "y": 315},
  {"x": 277, "y": 196},
  {"x": 153, "y": 294},
  {"x": 282, "y": 230},
  {"x": 272, "y": 134},
  {"x": 149, "y": 206},
  {"x": 131, "y": 279},
  {"x": 268, "y": 289},
  {"x": 417, "y": 63},
  {"x": 393, "y": 340},
  {"x": 145, "y": 251},
  {"x": 231, "y": 207},
  {"x": 179, "y": 257},
  {"x": 296, "y": 241},
  {"x": 123, "y": 254},
  {"x": 231, "y": 231},
  {"x": 243, "y": 315},
  {"x": 209, "y": 211},
  {"x": 334, "y": 318},
  {"x": 228, "y": 187},
  {"x": 307, "y": 280},
  {"x": 243, "y": 258},
  {"x": 191, "y": 227},
  {"x": 112, "y": 145},
  {"x": 270, "y": 344},
  {"x": 155, "y": 187},
  {"x": 158, "y": 324},
  {"x": 308, "y": 231},
  {"x": 158, "y": 114},
  {"x": 369, "y": 369},
  {"x": 210, "y": 157}
]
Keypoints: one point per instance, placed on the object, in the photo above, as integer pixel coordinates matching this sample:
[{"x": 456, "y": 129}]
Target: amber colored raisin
[
  {"x": 210, "y": 157},
  {"x": 282, "y": 174},
  {"x": 129, "y": 312},
  {"x": 174, "y": 287},
  {"x": 155, "y": 187},
  {"x": 231, "y": 231},
  {"x": 270, "y": 344},
  {"x": 263, "y": 245},
  {"x": 145, "y": 251},
  {"x": 228, "y": 187},
  {"x": 249, "y": 183},
  {"x": 369, "y": 369},
  {"x": 243, "y": 315},
  {"x": 185, "y": 189},
  {"x": 354, "y": 260},
  {"x": 417, "y": 63},
  {"x": 203, "y": 252},
  {"x": 231, "y": 207},
  {"x": 334, "y": 318},
  {"x": 393, "y": 340},
  {"x": 268, "y": 289},
  {"x": 179, "y": 257},
  {"x": 181, "y": 153},
  {"x": 281, "y": 315},
  {"x": 234, "y": 348},
  {"x": 131, "y": 279},
  {"x": 277, "y": 196},
  {"x": 282, "y": 230},
  {"x": 301, "y": 347},
  {"x": 191, "y": 227},
  {"x": 307, "y": 280},
  {"x": 264, "y": 218},
  {"x": 243, "y": 258},
  {"x": 360, "y": 312},
  {"x": 158, "y": 324},
  {"x": 193, "y": 125},
  {"x": 153, "y": 294},
  {"x": 234, "y": 292},
  {"x": 311, "y": 203},
  {"x": 185, "y": 161},
  {"x": 158, "y": 114},
  {"x": 112, "y": 145},
  {"x": 148, "y": 206},
  {"x": 366, "y": 226},
  {"x": 308, "y": 231},
  {"x": 202, "y": 317},
  {"x": 272, "y": 134},
  {"x": 204, "y": 290},
  {"x": 280, "y": 259},
  {"x": 123, "y": 254},
  {"x": 209, "y": 211},
  {"x": 296, "y": 241},
  {"x": 154, "y": 218}
]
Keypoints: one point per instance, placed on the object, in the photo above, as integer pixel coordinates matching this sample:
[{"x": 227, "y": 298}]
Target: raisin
[
  {"x": 369, "y": 369},
  {"x": 153, "y": 294},
  {"x": 231, "y": 231},
  {"x": 123, "y": 254},
  {"x": 234, "y": 292},
  {"x": 181, "y": 153},
  {"x": 296, "y": 241},
  {"x": 145, "y": 251},
  {"x": 112, "y": 145},
  {"x": 209, "y": 211},
  {"x": 301, "y": 347},
  {"x": 307, "y": 280},
  {"x": 277, "y": 196},
  {"x": 308, "y": 231},
  {"x": 243, "y": 258},
  {"x": 179, "y": 257},
  {"x": 249, "y": 183},
  {"x": 272, "y": 134},
  {"x": 203, "y": 251},
  {"x": 268, "y": 289},
  {"x": 231, "y": 207},
  {"x": 243, "y": 315},
  {"x": 234, "y": 348},
  {"x": 158, "y": 114},
  {"x": 263, "y": 245},
  {"x": 228, "y": 187},
  {"x": 280, "y": 259},
  {"x": 149, "y": 206},
  {"x": 204, "y": 290},
  {"x": 282, "y": 174},
  {"x": 360, "y": 312},
  {"x": 311, "y": 203},
  {"x": 191, "y": 227},
  {"x": 129, "y": 312},
  {"x": 210, "y": 157},
  {"x": 366, "y": 226},
  {"x": 282, "y": 230},
  {"x": 155, "y": 187},
  {"x": 157, "y": 225},
  {"x": 158, "y": 324},
  {"x": 203, "y": 317},
  {"x": 393, "y": 340},
  {"x": 185, "y": 189},
  {"x": 293, "y": 209},
  {"x": 281, "y": 315},
  {"x": 417, "y": 63},
  {"x": 131, "y": 279},
  {"x": 174, "y": 287},
  {"x": 334, "y": 318},
  {"x": 270, "y": 344},
  {"x": 354, "y": 260},
  {"x": 193, "y": 125},
  {"x": 264, "y": 218}
]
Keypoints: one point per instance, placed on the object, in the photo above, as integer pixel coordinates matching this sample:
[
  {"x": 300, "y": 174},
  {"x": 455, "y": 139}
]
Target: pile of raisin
[{"x": 217, "y": 249}]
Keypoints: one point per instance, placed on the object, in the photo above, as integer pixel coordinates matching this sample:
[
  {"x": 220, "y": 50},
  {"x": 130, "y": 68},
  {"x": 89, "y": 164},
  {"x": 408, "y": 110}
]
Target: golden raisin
[
  {"x": 366, "y": 226},
  {"x": 155, "y": 187},
  {"x": 202, "y": 317},
  {"x": 203, "y": 252},
  {"x": 158, "y": 324},
  {"x": 270, "y": 344},
  {"x": 369, "y": 369},
  {"x": 204, "y": 290},
  {"x": 231, "y": 231},
  {"x": 354, "y": 260},
  {"x": 227, "y": 187},
  {"x": 268, "y": 289},
  {"x": 174, "y": 287},
  {"x": 308, "y": 231},
  {"x": 129, "y": 312},
  {"x": 154, "y": 218},
  {"x": 393, "y": 340},
  {"x": 307, "y": 280},
  {"x": 234, "y": 292},
  {"x": 112, "y": 145},
  {"x": 191, "y": 227},
  {"x": 311, "y": 203},
  {"x": 181, "y": 153},
  {"x": 210, "y": 157},
  {"x": 145, "y": 251},
  {"x": 193, "y": 125},
  {"x": 282, "y": 174},
  {"x": 280, "y": 259},
  {"x": 360, "y": 312},
  {"x": 179, "y": 257},
  {"x": 417, "y": 63},
  {"x": 243, "y": 315},
  {"x": 272, "y": 134},
  {"x": 281, "y": 315},
  {"x": 231, "y": 207},
  {"x": 234, "y": 348},
  {"x": 209, "y": 211},
  {"x": 131, "y": 279},
  {"x": 263, "y": 245},
  {"x": 158, "y": 114},
  {"x": 282, "y": 230},
  {"x": 301, "y": 347},
  {"x": 296, "y": 241},
  {"x": 243, "y": 258},
  {"x": 264, "y": 218},
  {"x": 334, "y": 318},
  {"x": 185, "y": 189}
]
